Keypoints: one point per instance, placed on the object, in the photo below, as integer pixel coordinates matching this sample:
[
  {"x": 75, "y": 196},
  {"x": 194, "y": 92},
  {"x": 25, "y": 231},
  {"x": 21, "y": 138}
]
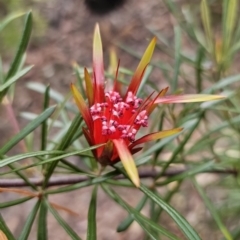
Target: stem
[{"x": 68, "y": 180}]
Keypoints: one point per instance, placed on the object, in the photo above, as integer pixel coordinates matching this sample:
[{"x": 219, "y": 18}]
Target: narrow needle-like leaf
[
  {"x": 28, "y": 129},
  {"x": 92, "y": 223},
  {"x": 4, "y": 230},
  {"x": 28, "y": 224}
]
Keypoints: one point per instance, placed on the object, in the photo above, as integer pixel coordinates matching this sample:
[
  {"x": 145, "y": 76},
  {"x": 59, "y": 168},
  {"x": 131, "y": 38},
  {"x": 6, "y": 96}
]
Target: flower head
[{"x": 114, "y": 119}]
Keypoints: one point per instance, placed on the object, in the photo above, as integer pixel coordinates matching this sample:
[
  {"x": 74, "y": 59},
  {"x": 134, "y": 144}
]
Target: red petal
[
  {"x": 88, "y": 136},
  {"x": 82, "y": 106},
  {"x": 155, "y": 136},
  {"x": 107, "y": 153},
  {"x": 151, "y": 106},
  {"x": 98, "y": 65}
]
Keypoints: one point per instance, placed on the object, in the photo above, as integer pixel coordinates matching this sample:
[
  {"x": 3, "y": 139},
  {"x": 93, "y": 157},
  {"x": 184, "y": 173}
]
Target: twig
[{"x": 57, "y": 181}]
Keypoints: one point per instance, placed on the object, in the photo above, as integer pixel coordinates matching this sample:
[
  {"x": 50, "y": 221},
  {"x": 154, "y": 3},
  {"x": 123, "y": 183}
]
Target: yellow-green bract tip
[
  {"x": 146, "y": 58},
  {"x": 127, "y": 161}
]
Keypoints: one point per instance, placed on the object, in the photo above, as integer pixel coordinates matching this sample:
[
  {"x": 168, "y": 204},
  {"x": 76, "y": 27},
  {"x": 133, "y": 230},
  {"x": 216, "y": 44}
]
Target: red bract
[{"x": 114, "y": 119}]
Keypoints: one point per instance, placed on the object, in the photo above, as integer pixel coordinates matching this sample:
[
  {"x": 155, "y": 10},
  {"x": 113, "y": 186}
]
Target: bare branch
[{"x": 63, "y": 180}]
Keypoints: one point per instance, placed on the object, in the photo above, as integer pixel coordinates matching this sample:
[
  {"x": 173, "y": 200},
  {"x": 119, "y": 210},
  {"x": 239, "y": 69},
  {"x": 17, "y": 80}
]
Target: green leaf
[
  {"x": 230, "y": 17},
  {"x": 42, "y": 233},
  {"x": 206, "y": 19},
  {"x": 147, "y": 224},
  {"x": 92, "y": 226},
  {"x": 22, "y": 47},
  {"x": 174, "y": 9},
  {"x": 165, "y": 141},
  {"x": 64, "y": 225},
  {"x": 177, "y": 32},
  {"x": 80, "y": 80},
  {"x": 212, "y": 210},
  {"x": 28, "y": 129},
  {"x": 187, "y": 125},
  {"x": 23, "y": 177},
  {"x": 15, "y": 78},
  {"x": 146, "y": 75},
  {"x": 66, "y": 141},
  {"x": 56, "y": 96},
  {"x": 236, "y": 233},
  {"x": 19, "y": 57},
  {"x": 1, "y": 72},
  {"x": 181, "y": 145},
  {"x": 44, "y": 129},
  {"x": 223, "y": 83},
  {"x": 73, "y": 167},
  {"x": 4, "y": 228},
  {"x": 188, "y": 173},
  {"x": 161, "y": 65},
  {"x": 14, "y": 202},
  {"x": 42, "y": 153},
  {"x": 121, "y": 183},
  {"x": 10, "y": 18},
  {"x": 19, "y": 157},
  {"x": 167, "y": 198},
  {"x": 216, "y": 129},
  {"x": 50, "y": 121},
  {"x": 199, "y": 69},
  {"x": 29, "y": 222},
  {"x": 181, "y": 222},
  {"x": 191, "y": 21},
  {"x": 124, "y": 225}
]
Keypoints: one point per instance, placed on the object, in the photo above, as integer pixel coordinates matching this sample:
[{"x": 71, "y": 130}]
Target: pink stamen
[
  {"x": 119, "y": 108},
  {"x": 96, "y": 109},
  {"x": 120, "y": 119},
  {"x": 142, "y": 119},
  {"x": 113, "y": 96},
  {"x": 109, "y": 127},
  {"x": 129, "y": 133},
  {"x": 133, "y": 100}
]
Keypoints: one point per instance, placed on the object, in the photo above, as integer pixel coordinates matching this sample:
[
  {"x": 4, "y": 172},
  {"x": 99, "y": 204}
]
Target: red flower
[{"x": 114, "y": 119}]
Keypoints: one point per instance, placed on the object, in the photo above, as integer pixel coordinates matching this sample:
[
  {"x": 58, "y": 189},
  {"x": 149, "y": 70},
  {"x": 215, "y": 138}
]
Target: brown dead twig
[{"x": 58, "y": 181}]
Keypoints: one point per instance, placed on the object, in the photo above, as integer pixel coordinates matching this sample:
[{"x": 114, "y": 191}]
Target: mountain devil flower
[{"x": 115, "y": 119}]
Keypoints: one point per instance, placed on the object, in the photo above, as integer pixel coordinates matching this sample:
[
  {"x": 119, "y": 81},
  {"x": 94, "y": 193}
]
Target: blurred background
[{"x": 62, "y": 34}]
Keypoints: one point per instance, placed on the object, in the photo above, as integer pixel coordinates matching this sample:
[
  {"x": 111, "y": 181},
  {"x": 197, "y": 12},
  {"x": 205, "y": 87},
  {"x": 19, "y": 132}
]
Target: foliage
[
  {"x": 10, "y": 35},
  {"x": 209, "y": 142}
]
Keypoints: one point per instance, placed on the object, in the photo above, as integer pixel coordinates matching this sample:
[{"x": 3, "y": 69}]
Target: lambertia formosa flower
[{"x": 115, "y": 119}]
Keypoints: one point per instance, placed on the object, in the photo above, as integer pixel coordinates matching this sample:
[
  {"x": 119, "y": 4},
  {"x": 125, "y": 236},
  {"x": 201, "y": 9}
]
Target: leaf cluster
[{"x": 209, "y": 143}]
